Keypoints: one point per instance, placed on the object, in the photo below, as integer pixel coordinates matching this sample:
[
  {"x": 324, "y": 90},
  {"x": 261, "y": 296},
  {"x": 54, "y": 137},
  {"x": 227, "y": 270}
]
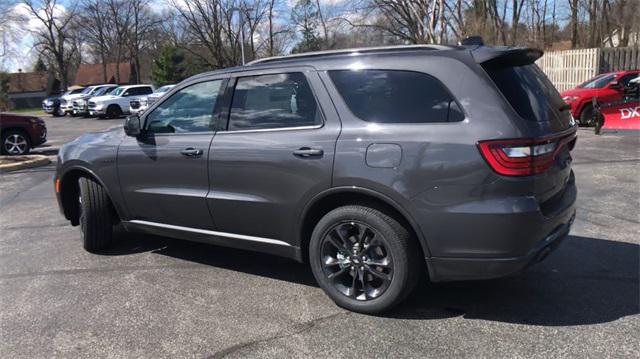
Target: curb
[{"x": 30, "y": 162}]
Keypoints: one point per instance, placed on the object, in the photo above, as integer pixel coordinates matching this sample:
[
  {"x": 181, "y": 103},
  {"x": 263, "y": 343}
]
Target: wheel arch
[
  {"x": 341, "y": 196},
  {"x": 69, "y": 190}
]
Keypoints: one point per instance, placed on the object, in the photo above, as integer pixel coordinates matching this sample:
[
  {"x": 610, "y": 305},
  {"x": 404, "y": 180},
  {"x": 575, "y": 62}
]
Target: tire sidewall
[
  {"x": 395, "y": 292},
  {"x": 114, "y": 111},
  {"x": 586, "y": 116}
]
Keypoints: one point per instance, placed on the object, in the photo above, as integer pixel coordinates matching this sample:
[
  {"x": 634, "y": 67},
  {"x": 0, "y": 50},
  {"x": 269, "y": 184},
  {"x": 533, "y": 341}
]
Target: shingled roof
[{"x": 91, "y": 74}]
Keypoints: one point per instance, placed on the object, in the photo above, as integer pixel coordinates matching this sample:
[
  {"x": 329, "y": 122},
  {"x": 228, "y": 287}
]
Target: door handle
[
  {"x": 191, "y": 152},
  {"x": 306, "y": 152}
]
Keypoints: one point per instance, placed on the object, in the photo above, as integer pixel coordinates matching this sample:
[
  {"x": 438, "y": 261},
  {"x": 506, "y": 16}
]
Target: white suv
[{"x": 116, "y": 103}]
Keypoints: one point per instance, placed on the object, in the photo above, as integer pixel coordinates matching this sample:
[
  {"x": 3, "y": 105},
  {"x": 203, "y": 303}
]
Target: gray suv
[{"x": 375, "y": 166}]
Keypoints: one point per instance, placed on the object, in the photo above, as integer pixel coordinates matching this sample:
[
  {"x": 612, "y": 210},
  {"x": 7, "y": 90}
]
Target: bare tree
[
  {"x": 120, "y": 14},
  {"x": 96, "y": 30},
  {"x": 55, "y": 36},
  {"x": 143, "y": 22},
  {"x": 205, "y": 23}
]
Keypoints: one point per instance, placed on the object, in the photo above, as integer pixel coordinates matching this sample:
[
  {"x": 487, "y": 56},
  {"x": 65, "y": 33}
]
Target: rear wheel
[
  {"x": 96, "y": 221},
  {"x": 15, "y": 142},
  {"x": 114, "y": 111},
  {"x": 365, "y": 260}
]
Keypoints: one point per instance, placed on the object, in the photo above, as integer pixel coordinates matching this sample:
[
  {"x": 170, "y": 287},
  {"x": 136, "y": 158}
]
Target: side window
[
  {"x": 145, "y": 90},
  {"x": 624, "y": 80},
  {"x": 188, "y": 110},
  {"x": 273, "y": 101},
  {"x": 389, "y": 96}
]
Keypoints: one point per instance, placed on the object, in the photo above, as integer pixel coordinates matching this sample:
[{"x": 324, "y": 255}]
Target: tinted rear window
[
  {"x": 395, "y": 96},
  {"x": 528, "y": 91}
]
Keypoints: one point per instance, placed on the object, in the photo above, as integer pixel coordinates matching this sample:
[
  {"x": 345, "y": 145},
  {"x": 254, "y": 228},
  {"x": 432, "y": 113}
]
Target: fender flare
[
  {"x": 82, "y": 167},
  {"x": 367, "y": 192}
]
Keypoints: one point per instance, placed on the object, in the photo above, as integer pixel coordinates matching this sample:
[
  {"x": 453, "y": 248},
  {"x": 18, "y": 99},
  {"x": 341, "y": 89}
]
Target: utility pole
[{"x": 240, "y": 10}]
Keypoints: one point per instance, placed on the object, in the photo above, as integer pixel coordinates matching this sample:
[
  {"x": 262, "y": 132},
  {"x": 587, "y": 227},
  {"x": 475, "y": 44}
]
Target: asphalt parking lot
[{"x": 158, "y": 297}]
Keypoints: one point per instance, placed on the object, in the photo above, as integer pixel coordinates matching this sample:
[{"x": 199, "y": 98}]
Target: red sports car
[{"x": 607, "y": 87}]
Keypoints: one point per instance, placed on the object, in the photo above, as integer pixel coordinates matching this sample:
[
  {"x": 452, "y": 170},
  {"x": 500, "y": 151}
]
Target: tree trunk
[{"x": 574, "y": 23}]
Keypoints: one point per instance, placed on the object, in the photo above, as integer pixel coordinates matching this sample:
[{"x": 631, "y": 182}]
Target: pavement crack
[{"x": 285, "y": 333}]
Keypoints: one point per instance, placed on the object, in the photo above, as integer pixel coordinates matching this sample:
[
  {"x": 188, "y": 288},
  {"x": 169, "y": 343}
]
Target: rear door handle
[
  {"x": 306, "y": 152},
  {"x": 191, "y": 152}
]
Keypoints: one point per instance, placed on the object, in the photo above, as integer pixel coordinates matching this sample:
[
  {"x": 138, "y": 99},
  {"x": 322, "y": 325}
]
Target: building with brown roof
[
  {"x": 28, "y": 89},
  {"x": 94, "y": 74}
]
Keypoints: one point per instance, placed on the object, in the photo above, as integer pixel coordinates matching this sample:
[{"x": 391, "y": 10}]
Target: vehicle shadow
[
  {"x": 253, "y": 263},
  {"x": 586, "y": 281}
]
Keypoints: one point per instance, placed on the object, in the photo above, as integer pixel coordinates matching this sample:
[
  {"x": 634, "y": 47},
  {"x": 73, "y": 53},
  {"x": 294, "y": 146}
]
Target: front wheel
[
  {"x": 57, "y": 112},
  {"x": 96, "y": 221},
  {"x": 114, "y": 111},
  {"x": 365, "y": 260},
  {"x": 586, "y": 116}
]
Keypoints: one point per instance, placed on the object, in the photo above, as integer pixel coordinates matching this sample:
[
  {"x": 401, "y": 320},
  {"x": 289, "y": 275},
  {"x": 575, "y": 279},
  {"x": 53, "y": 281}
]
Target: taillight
[{"x": 524, "y": 157}]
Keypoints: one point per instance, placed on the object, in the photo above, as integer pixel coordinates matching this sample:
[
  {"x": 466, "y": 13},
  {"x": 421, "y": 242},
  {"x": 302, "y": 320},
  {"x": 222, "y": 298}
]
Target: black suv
[{"x": 373, "y": 165}]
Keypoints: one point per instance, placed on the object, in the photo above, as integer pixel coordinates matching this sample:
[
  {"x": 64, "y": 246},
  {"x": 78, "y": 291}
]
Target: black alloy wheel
[
  {"x": 114, "y": 111},
  {"x": 356, "y": 260},
  {"x": 364, "y": 259}
]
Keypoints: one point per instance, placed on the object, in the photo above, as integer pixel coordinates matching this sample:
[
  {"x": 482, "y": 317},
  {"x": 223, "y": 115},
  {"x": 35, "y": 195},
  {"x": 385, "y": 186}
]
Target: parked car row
[
  {"x": 138, "y": 106},
  {"x": 107, "y": 100}
]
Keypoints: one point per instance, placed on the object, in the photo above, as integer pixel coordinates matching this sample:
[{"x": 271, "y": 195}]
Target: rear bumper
[
  {"x": 450, "y": 269},
  {"x": 490, "y": 244}
]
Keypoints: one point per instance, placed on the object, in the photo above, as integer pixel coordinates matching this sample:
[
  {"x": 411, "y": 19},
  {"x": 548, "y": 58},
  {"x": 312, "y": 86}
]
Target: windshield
[
  {"x": 598, "y": 81},
  {"x": 87, "y": 90},
  {"x": 73, "y": 92},
  {"x": 103, "y": 91},
  {"x": 165, "y": 88},
  {"x": 117, "y": 91}
]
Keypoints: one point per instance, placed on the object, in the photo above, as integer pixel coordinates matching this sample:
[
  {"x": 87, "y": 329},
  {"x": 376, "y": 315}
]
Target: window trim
[
  {"x": 446, "y": 89},
  {"x": 215, "y": 113},
  {"x": 232, "y": 86}
]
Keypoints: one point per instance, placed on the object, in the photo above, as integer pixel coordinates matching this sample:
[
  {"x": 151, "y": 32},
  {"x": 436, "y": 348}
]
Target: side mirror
[
  {"x": 614, "y": 85},
  {"x": 132, "y": 126}
]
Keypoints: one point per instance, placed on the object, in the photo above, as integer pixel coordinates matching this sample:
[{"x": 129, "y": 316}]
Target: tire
[
  {"x": 398, "y": 257},
  {"x": 114, "y": 111},
  {"x": 15, "y": 143},
  {"x": 58, "y": 113},
  {"x": 586, "y": 116},
  {"x": 96, "y": 221}
]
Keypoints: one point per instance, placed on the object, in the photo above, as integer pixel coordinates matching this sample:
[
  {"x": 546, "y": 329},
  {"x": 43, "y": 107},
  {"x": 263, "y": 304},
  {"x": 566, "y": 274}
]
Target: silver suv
[{"x": 375, "y": 166}]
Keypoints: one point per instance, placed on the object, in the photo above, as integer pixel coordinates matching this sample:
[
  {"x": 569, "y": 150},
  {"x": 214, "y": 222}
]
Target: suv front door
[
  {"x": 163, "y": 172},
  {"x": 272, "y": 153}
]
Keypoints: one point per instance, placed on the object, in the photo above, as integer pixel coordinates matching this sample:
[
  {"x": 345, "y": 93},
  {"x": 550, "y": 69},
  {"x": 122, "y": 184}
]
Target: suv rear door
[{"x": 272, "y": 153}]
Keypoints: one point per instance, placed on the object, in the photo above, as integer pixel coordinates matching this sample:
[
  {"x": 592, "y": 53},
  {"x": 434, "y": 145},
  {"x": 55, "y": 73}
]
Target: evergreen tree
[
  {"x": 5, "y": 104},
  {"x": 169, "y": 67},
  {"x": 40, "y": 65},
  {"x": 306, "y": 16}
]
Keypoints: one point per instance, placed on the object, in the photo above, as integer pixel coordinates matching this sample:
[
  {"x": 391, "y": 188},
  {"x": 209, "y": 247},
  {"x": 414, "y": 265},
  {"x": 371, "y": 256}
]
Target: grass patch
[{"x": 27, "y": 110}]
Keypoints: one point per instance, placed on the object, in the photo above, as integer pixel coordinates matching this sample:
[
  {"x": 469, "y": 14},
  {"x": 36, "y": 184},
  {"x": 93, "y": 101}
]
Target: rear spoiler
[{"x": 489, "y": 56}]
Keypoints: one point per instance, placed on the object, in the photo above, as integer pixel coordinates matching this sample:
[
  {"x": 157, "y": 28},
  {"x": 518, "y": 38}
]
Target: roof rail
[{"x": 354, "y": 51}]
